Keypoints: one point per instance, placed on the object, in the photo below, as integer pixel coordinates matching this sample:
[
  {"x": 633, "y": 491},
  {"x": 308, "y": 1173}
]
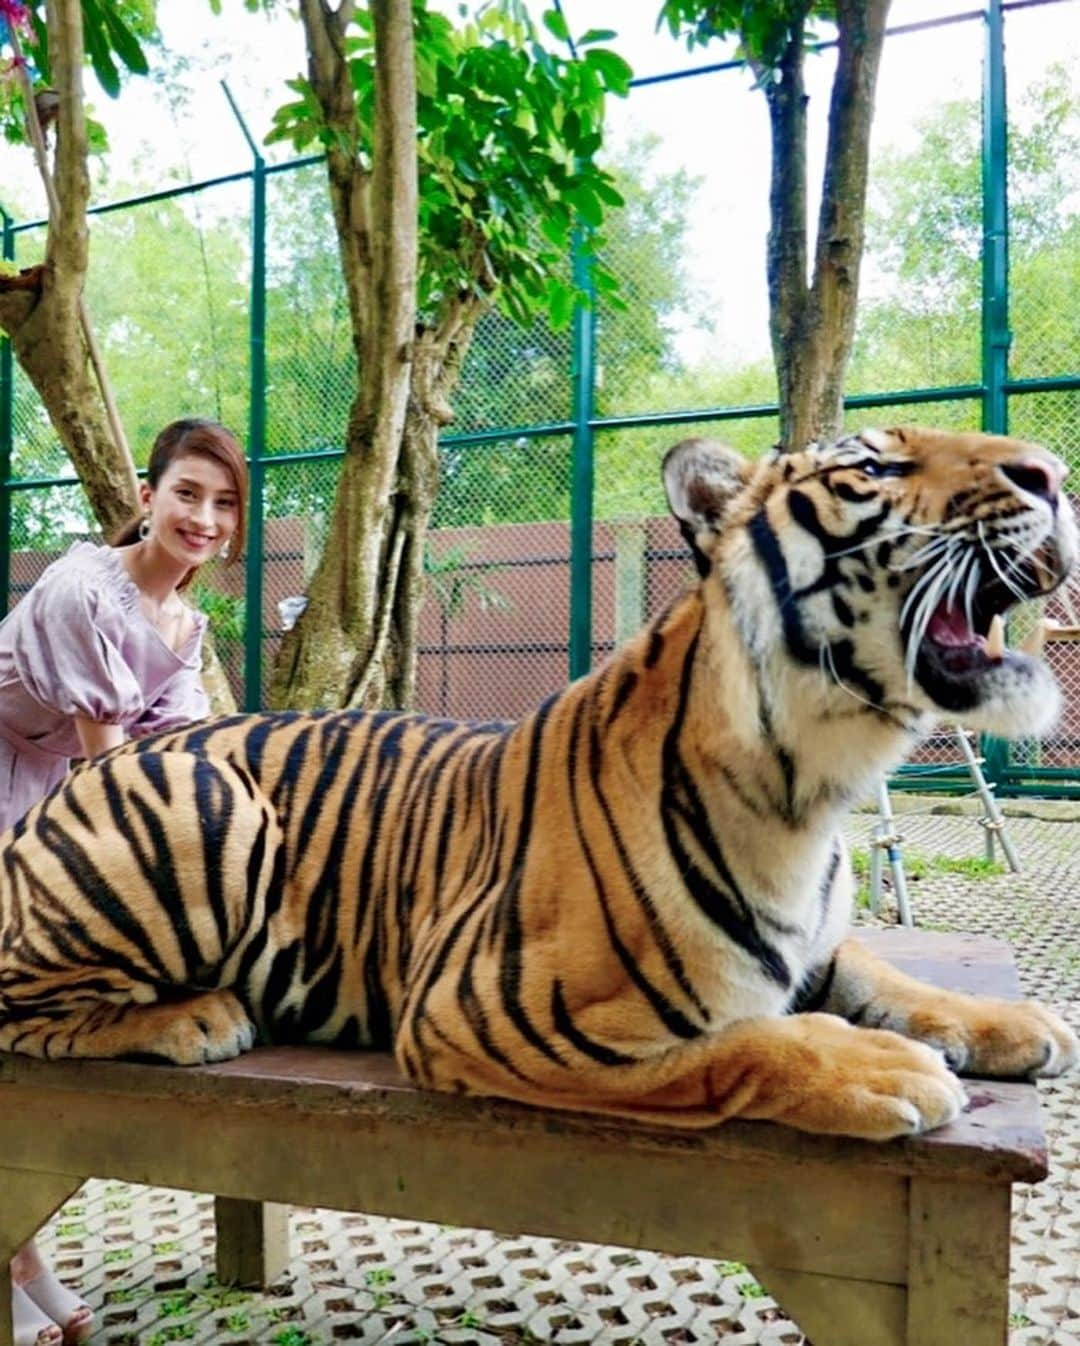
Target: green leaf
[
  {"x": 615, "y": 72},
  {"x": 556, "y": 25},
  {"x": 125, "y": 43},
  {"x": 584, "y": 201},
  {"x": 597, "y": 35},
  {"x": 561, "y": 301}
]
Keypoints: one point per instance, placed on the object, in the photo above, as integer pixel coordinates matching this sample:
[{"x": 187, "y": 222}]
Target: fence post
[
  {"x": 581, "y": 483},
  {"x": 7, "y": 427},
  {"x": 995, "y": 273},
  {"x": 253, "y": 566}
]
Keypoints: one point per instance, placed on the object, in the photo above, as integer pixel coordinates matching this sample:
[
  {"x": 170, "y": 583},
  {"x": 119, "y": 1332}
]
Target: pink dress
[{"x": 79, "y": 643}]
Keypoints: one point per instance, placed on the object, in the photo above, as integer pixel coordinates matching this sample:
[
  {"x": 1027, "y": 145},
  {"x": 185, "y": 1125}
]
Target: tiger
[{"x": 633, "y": 901}]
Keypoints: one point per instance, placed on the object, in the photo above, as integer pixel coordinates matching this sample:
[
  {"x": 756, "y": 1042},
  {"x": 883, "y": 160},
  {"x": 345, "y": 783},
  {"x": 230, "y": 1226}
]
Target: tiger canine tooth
[
  {"x": 995, "y": 638},
  {"x": 1036, "y": 639}
]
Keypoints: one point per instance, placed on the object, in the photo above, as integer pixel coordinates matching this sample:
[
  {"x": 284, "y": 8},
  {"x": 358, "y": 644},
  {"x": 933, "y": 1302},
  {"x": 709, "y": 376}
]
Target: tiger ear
[{"x": 702, "y": 477}]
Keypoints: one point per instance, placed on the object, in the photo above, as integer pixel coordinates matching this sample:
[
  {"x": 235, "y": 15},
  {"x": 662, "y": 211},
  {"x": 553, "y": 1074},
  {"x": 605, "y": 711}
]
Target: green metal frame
[
  {"x": 7, "y": 408},
  {"x": 992, "y": 393},
  {"x": 253, "y": 567}
]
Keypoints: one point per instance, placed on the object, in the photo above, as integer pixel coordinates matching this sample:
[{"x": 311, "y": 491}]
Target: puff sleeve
[
  {"x": 66, "y": 650},
  {"x": 180, "y": 702}
]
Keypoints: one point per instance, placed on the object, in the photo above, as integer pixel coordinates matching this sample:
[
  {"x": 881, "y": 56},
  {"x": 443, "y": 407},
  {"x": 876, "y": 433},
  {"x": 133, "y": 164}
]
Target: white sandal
[
  {"x": 61, "y": 1306},
  {"x": 32, "y": 1326}
]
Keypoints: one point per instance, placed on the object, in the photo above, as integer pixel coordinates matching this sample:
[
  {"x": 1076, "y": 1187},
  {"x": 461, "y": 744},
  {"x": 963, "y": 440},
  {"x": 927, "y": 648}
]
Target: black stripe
[
  {"x": 669, "y": 1015},
  {"x": 564, "y": 1024},
  {"x": 506, "y": 913},
  {"x": 721, "y": 902}
]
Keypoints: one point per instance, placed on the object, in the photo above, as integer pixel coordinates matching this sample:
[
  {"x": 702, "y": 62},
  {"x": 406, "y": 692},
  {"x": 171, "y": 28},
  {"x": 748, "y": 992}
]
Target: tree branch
[
  {"x": 328, "y": 74},
  {"x": 841, "y": 224}
]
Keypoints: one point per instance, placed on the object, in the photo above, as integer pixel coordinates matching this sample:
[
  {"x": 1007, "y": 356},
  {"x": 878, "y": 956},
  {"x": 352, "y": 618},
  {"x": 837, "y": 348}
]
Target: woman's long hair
[{"x": 181, "y": 439}]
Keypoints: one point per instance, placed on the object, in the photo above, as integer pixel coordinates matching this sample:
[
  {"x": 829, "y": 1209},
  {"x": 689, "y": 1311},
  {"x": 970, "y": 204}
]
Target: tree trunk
[
  {"x": 41, "y": 311},
  {"x": 334, "y": 653},
  {"x": 813, "y": 328},
  {"x": 43, "y": 322}
]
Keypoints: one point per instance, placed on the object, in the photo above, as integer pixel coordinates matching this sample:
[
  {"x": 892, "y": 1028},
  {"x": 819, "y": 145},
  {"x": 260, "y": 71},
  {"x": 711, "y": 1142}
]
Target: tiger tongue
[{"x": 949, "y": 626}]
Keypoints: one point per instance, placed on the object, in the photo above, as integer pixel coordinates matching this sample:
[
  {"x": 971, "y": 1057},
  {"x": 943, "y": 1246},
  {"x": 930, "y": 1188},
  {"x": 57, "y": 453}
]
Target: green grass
[
  {"x": 173, "y": 1306},
  {"x": 971, "y": 867},
  {"x": 181, "y": 1332},
  {"x": 217, "y": 1296},
  {"x": 292, "y": 1336},
  {"x": 918, "y": 866}
]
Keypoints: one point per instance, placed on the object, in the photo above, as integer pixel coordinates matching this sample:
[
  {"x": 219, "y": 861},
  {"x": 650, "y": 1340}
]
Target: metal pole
[
  {"x": 7, "y": 435},
  {"x": 581, "y": 488},
  {"x": 993, "y": 822},
  {"x": 995, "y": 273},
  {"x": 887, "y": 839},
  {"x": 253, "y": 566}
]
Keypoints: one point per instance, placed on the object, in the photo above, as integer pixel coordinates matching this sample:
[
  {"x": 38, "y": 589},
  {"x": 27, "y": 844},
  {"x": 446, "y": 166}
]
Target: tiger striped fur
[{"x": 634, "y": 901}]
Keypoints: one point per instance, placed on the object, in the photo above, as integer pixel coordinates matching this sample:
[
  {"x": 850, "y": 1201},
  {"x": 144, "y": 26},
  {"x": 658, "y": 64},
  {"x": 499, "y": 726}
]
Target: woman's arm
[{"x": 98, "y": 738}]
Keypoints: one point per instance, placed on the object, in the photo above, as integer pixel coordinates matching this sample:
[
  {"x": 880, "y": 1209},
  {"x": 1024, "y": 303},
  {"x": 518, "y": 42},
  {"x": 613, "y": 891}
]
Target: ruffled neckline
[{"x": 128, "y": 595}]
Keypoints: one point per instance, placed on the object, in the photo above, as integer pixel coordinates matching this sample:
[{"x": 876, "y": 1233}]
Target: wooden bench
[{"x": 862, "y": 1244}]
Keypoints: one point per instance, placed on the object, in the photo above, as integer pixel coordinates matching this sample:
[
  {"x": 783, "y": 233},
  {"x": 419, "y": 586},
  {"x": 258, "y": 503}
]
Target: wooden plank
[
  {"x": 553, "y": 1181},
  {"x": 252, "y": 1241},
  {"x": 999, "y": 1139},
  {"x": 839, "y": 1312},
  {"x": 958, "y": 1288},
  {"x": 953, "y": 961}
]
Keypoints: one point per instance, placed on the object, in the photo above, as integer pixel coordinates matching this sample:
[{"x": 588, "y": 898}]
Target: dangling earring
[
  {"x": 223, "y": 552},
  {"x": 144, "y": 527}
]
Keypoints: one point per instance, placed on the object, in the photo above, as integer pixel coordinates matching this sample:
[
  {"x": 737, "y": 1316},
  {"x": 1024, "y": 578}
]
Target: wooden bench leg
[
  {"x": 252, "y": 1241},
  {"x": 958, "y": 1267},
  {"x": 27, "y": 1202},
  {"x": 836, "y": 1311}
]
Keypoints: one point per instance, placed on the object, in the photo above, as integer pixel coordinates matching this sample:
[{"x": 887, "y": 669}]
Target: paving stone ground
[{"x": 143, "y": 1256}]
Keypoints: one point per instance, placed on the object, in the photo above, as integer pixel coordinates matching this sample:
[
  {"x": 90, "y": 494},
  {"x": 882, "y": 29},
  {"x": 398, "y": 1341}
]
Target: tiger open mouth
[{"x": 963, "y": 643}]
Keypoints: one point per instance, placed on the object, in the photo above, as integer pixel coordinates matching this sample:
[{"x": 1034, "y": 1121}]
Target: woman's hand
[{"x": 98, "y": 738}]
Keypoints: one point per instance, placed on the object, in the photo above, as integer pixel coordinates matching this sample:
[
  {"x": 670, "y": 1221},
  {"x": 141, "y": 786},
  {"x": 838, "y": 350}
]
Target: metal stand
[
  {"x": 992, "y": 822},
  {"x": 885, "y": 844},
  {"x": 885, "y": 839}
]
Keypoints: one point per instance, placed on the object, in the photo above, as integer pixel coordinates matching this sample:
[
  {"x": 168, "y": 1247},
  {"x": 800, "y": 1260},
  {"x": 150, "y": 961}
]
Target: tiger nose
[{"x": 1037, "y": 476}]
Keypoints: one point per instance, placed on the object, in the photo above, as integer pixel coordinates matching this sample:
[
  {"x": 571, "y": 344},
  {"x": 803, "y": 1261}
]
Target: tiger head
[{"x": 885, "y": 564}]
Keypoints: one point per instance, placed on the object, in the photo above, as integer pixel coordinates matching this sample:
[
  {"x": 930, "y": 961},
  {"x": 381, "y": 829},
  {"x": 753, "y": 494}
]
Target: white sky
[{"x": 714, "y": 126}]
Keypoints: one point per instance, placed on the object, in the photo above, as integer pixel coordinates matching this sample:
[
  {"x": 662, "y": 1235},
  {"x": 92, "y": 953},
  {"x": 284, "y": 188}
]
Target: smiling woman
[{"x": 105, "y": 648}]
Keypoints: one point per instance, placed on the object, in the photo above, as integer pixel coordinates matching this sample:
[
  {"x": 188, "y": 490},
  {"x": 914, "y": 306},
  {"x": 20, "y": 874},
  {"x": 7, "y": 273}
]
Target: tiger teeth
[
  {"x": 995, "y": 638},
  {"x": 1034, "y": 642}
]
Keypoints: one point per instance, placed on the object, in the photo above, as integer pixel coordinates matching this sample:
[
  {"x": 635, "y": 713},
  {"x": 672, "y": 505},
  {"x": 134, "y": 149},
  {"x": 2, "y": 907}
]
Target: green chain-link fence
[{"x": 549, "y": 542}]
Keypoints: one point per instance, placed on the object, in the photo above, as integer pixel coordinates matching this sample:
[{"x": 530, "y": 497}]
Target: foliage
[
  {"x": 762, "y": 27},
  {"x": 920, "y": 320},
  {"x": 507, "y": 143},
  {"x": 115, "y": 33},
  {"x": 224, "y": 611}
]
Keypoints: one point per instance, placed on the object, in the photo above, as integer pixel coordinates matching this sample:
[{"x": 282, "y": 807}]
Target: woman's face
[{"x": 193, "y": 509}]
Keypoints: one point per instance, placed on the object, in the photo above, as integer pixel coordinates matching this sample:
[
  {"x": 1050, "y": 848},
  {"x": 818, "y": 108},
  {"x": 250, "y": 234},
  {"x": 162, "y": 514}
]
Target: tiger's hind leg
[
  {"x": 213, "y": 1026},
  {"x": 129, "y": 902}
]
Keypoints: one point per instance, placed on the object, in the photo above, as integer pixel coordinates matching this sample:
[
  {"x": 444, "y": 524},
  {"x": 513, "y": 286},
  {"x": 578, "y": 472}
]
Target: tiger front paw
[
  {"x": 827, "y": 1076},
  {"x": 208, "y": 1028},
  {"x": 1000, "y": 1038}
]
